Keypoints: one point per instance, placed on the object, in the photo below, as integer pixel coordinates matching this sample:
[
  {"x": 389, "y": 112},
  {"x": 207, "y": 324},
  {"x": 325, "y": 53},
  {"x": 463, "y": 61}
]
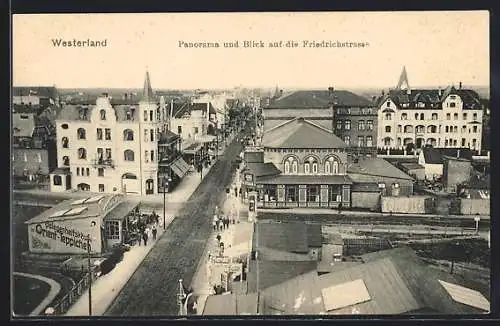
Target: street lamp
[{"x": 92, "y": 224}]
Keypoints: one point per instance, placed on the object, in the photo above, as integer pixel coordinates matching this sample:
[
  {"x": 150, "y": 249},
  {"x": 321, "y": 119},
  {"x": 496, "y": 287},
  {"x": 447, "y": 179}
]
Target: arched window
[
  {"x": 388, "y": 116},
  {"x": 404, "y": 116},
  {"x": 291, "y": 164},
  {"x": 408, "y": 129},
  {"x": 310, "y": 165},
  {"x": 103, "y": 114},
  {"x": 65, "y": 142},
  {"x": 57, "y": 180},
  {"x": 77, "y": 171},
  {"x": 88, "y": 171},
  {"x": 307, "y": 168},
  {"x": 315, "y": 167},
  {"x": 421, "y": 116},
  {"x": 416, "y": 116},
  {"x": 65, "y": 160},
  {"x": 81, "y": 133},
  {"x": 387, "y": 128},
  {"x": 128, "y": 155},
  {"x": 82, "y": 153},
  {"x": 455, "y": 129},
  {"x": 446, "y": 128},
  {"x": 128, "y": 134},
  {"x": 331, "y": 165},
  {"x": 335, "y": 169},
  {"x": 434, "y": 116}
]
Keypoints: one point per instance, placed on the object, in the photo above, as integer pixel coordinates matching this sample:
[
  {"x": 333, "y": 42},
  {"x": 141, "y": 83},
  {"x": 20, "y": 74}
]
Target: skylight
[
  {"x": 79, "y": 201},
  {"x": 93, "y": 199},
  {"x": 345, "y": 294},
  {"x": 60, "y": 213},
  {"x": 466, "y": 296},
  {"x": 75, "y": 211}
]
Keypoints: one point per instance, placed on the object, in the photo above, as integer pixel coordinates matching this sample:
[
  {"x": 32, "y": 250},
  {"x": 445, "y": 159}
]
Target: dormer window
[{"x": 102, "y": 114}]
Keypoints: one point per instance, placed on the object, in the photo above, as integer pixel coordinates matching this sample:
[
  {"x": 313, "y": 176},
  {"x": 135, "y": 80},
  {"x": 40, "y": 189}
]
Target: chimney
[{"x": 460, "y": 85}]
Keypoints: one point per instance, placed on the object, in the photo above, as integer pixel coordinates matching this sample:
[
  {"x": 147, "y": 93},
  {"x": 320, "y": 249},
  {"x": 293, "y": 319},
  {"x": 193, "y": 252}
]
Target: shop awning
[
  {"x": 192, "y": 149},
  {"x": 305, "y": 180},
  {"x": 120, "y": 211},
  {"x": 180, "y": 167}
]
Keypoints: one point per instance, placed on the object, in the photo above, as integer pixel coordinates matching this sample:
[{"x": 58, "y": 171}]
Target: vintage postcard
[{"x": 291, "y": 163}]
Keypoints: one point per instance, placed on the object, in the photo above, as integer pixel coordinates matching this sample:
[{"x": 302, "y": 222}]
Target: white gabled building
[
  {"x": 451, "y": 117},
  {"x": 110, "y": 148}
]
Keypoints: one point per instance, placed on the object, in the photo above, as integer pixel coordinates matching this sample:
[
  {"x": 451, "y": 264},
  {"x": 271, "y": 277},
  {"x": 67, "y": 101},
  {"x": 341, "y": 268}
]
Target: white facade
[
  {"x": 448, "y": 126},
  {"x": 114, "y": 156}
]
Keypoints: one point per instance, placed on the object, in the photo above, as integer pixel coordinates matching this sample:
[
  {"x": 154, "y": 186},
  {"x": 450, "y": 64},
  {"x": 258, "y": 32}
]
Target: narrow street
[{"x": 152, "y": 289}]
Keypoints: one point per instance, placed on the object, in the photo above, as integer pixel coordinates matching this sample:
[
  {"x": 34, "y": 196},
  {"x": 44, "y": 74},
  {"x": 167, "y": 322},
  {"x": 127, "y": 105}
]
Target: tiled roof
[
  {"x": 431, "y": 97},
  {"x": 289, "y": 237},
  {"x": 435, "y": 155},
  {"x": 40, "y": 91},
  {"x": 263, "y": 169},
  {"x": 374, "y": 166},
  {"x": 71, "y": 112},
  {"x": 300, "y": 133},
  {"x": 325, "y": 266},
  {"x": 319, "y": 99},
  {"x": 273, "y": 272},
  {"x": 305, "y": 179}
]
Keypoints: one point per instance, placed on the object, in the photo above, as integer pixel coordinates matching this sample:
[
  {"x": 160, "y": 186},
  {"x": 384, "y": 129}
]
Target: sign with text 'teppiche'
[{"x": 70, "y": 236}]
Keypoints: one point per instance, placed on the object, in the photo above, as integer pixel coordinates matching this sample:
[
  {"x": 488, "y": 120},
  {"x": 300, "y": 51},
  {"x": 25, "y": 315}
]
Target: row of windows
[
  {"x": 431, "y": 141},
  {"x": 331, "y": 166},
  {"x": 361, "y": 124},
  {"x": 454, "y": 129},
  {"x": 84, "y": 172},
  {"x": 430, "y": 129},
  {"x": 434, "y": 116},
  {"x": 312, "y": 193}
]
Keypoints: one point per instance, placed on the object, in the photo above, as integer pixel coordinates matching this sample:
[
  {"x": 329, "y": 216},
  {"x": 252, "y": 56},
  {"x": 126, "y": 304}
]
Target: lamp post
[
  {"x": 89, "y": 251},
  {"x": 477, "y": 219}
]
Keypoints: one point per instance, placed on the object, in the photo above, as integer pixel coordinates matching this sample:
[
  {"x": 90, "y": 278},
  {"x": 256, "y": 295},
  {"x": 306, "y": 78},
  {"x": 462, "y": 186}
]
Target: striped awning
[{"x": 180, "y": 167}]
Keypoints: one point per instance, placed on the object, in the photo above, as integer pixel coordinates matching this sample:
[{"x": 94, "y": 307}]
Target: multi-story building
[
  {"x": 35, "y": 96},
  {"x": 414, "y": 118},
  {"x": 112, "y": 149},
  {"x": 318, "y": 106}
]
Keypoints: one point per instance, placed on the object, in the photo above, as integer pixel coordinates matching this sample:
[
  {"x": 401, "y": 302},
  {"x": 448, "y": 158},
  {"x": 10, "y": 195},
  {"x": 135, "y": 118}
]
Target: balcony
[
  {"x": 102, "y": 163},
  {"x": 168, "y": 157}
]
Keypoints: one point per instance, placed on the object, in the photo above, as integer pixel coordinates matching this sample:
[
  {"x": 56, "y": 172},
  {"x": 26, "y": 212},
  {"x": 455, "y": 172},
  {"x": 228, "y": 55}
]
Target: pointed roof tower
[
  {"x": 147, "y": 92},
  {"x": 403, "y": 80},
  {"x": 276, "y": 92}
]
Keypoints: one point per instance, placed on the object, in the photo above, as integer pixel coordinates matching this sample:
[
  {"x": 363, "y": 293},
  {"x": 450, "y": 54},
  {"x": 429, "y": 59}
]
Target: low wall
[
  {"x": 369, "y": 200},
  {"x": 407, "y": 205},
  {"x": 474, "y": 206}
]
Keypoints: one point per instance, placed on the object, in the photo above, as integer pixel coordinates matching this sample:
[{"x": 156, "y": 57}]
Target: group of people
[
  {"x": 147, "y": 228},
  {"x": 222, "y": 222}
]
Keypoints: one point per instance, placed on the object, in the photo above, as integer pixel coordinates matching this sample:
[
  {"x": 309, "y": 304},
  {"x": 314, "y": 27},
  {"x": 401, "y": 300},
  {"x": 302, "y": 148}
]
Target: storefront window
[
  {"x": 334, "y": 193},
  {"x": 312, "y": 193},
  {"x": 291, "y": 193},
  {"x": 270, "y": 193},
  {"x": 112, "y": 230}
]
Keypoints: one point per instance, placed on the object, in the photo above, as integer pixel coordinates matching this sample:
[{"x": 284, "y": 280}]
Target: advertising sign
[{"x": 70, "y": 236}]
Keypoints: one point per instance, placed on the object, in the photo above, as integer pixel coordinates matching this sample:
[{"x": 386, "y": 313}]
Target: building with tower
[
  {"x": 442, "y": 118},
  {"x": 114, "y": 148}
]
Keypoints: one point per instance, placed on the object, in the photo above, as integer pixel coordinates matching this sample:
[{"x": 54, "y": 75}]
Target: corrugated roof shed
[
  {"x": 289, "y": 237},
  {"x": 300, "y": 133},
  {"x": 378, "y": 167}
]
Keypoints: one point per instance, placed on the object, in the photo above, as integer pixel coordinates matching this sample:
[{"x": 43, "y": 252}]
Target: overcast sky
[{"x": 437, "y": 48}]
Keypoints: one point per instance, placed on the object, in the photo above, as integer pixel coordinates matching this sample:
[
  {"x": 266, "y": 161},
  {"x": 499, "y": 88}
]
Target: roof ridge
[{"x": 281, "y": 124}]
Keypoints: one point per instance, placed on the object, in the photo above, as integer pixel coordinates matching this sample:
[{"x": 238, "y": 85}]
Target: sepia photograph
[{"x": 175, "y": 165}]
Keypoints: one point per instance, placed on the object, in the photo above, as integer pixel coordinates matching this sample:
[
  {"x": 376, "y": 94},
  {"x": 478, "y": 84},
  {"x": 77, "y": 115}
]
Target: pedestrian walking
[
  {"x": 154, "y": 231},
  {"x": 226, "y": 221},
  {"x": 214, "y": 224},
  {"x": 145, "y": 238},
  {"x": 218, "y": 237},
  {"x": 218, "y": 222},
  {"x": 139, "y": 238}
]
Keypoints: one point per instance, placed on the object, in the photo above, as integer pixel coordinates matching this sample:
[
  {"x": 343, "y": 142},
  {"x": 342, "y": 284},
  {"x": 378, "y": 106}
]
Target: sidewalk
[
  {"x": 237, "y": 241},
  {"x": 107, "y": 287},
  {"x": 316, "y": 211}
]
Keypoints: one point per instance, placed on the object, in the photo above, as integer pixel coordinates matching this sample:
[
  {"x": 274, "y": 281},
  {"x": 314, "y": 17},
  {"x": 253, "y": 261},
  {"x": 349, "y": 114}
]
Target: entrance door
[{"x": 149, "y": 186}]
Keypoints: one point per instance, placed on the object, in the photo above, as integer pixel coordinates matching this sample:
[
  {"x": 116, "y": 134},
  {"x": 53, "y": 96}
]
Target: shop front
[
  {"x": 285, "y": 191},
  {"x": 88, "y": 225}
]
